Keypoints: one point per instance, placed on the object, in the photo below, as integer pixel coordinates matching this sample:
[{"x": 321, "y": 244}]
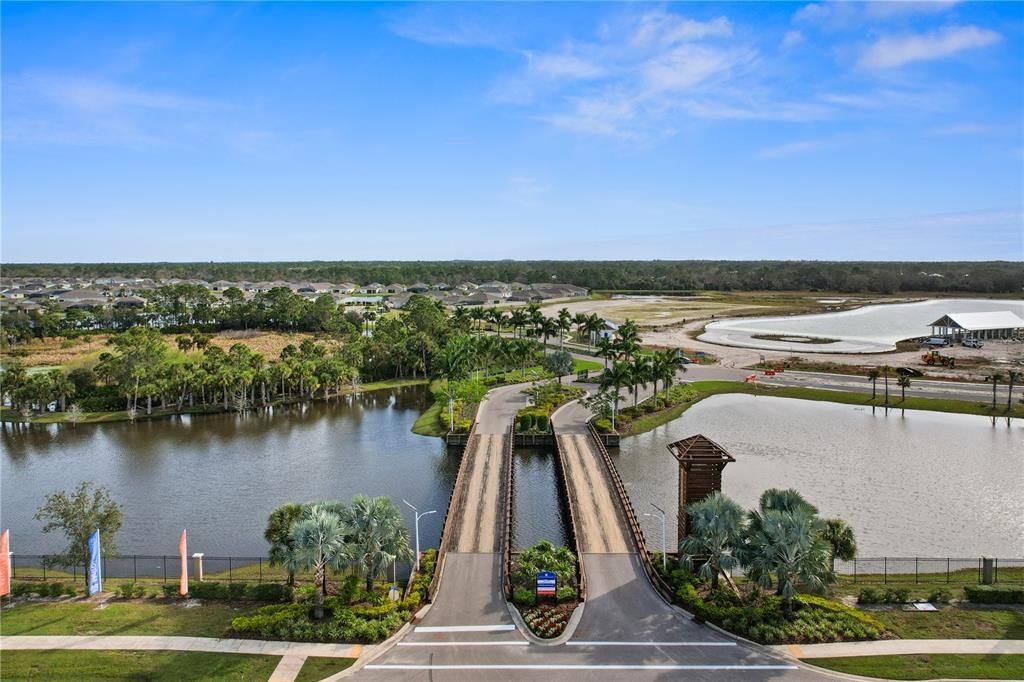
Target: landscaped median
[
  {"x": 651, "y": 414},
  {"x": 546, "y": 616}
]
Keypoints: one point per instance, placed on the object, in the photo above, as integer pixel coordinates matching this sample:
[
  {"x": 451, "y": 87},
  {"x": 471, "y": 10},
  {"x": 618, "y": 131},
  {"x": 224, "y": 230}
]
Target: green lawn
[
  {"x": 429, "y": 423},
  {"x": 148, "y": 666},
  {"x": 212, "y": 619},
  {"x": 954, "y": 622},
  {"x": 317, "y": 668},
  {"x": 929, "y": 666}
]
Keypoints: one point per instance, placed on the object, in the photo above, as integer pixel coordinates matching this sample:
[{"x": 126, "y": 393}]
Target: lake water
[
  {"x": 913, "y": 484},
  {"x": 871, "y": 328},
  {"x": 219, "y": 476},
  {"x": 536, "y": 504}
]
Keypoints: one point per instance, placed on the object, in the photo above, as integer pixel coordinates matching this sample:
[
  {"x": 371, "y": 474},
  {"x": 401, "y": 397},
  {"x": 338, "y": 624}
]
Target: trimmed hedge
[
  {"x": 293, "y": 622},
  {"x": 266, "y": 592},
  {"x": 43, "y": 589},
  {"x": 994, "y": 594}
]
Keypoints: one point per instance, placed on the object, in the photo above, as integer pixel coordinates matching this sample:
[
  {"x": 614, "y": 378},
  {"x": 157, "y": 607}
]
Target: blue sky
[{"x": 187, "y": 131}]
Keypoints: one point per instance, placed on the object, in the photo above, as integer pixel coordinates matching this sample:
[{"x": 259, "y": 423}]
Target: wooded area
[{"x": 845, "y": 276}]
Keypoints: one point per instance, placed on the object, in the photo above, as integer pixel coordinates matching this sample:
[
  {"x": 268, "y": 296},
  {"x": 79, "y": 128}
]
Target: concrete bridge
[{"x": 626, "y": 629}]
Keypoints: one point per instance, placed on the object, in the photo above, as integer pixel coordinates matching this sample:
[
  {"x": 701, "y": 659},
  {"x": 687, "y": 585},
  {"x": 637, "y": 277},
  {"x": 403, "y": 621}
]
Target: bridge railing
[
  {"x": 580, "y": 571},
  {"x": 631, "y": 518},
  {"x": 509, "y": 484},
  {"x": 455, "y": 502}
]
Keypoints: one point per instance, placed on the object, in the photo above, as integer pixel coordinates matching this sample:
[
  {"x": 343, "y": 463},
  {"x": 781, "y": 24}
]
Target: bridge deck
[
  {"x": 600, "y": 526},
  {"x": 477, "y": 525}
]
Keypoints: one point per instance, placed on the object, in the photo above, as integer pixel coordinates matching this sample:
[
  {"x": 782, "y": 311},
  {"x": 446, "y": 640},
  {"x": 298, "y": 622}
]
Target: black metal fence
[
  {"x": 923, "y": 570},
  {"x": 166, "y": 568}
]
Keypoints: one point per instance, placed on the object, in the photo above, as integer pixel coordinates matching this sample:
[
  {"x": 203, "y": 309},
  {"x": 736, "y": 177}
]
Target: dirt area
[
  {"x": 973, "y": 363},
  {"x": 599, "y": 529},
  {"x": 658, "y": 310},
  {"x": 84, "y": 350}
]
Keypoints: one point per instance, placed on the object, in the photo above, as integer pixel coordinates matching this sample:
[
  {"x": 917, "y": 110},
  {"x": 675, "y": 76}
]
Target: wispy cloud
[
  {"x": 791, "y": 39},
  {"x": 961, "y": 129},
  {"x": 894, "y": 51},
  {"x": 846, "y": 14},
  {"x": 790, "y": 149},
  {"x": 94, "y": 95}
]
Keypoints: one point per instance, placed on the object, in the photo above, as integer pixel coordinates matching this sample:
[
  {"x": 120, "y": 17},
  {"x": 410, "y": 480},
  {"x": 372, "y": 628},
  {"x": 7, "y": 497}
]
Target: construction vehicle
[{"x": 934, "y": 357}]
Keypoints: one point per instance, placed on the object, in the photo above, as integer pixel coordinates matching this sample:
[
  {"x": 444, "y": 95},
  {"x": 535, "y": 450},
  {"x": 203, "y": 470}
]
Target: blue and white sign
[
  {"x": 547, "y": 584},
  {"x": 95, "y": 564}
]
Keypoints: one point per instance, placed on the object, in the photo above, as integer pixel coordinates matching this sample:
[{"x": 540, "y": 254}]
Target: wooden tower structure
[{"x": 701, "y": 461}]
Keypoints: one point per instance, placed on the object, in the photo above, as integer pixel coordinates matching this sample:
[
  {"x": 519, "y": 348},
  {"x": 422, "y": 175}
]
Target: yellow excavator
[{"x": 934, "y": 357}]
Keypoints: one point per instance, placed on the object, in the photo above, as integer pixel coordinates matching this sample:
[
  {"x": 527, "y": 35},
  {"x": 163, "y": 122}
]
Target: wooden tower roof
[{"x": 699, "y": 448}]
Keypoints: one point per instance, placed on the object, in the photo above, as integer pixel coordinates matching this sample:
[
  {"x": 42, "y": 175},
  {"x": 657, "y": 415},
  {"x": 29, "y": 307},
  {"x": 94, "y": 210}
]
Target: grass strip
[
  {"x": 929, "y": 666},
  {"x": 317, "y": 668},
  {"x": 151, "y": 666}
]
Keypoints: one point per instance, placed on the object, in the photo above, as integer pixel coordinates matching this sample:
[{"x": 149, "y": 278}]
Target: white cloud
[
  {"x": 689, "y": 65},
  {"x": 895, "y": 51},
  {"x": 791, "y": 39},
  {"x": 845, "y": 14},
  {"x": 790, "y": 149},
  {"x": 659, "y": 27},
  {"x": 563, "y": 66},
  {"x": 97, "y": 95}
]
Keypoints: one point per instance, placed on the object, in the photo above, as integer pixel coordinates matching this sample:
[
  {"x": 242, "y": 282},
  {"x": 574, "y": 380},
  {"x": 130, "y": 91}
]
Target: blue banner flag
[{"x": 95, "y": 564}]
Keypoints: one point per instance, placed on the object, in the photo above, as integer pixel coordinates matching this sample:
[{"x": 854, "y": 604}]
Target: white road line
[
  {"x": 402, "y": 666},
  {"x": 522, "y": 643},
  {"x": 467, "y": 628},
  {"x": 596, "y": 643}
]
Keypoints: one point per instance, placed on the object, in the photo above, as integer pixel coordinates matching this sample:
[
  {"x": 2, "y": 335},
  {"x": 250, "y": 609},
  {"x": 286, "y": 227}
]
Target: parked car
[
  {"x": 973, "y": 343},
  {"x": 937, "y": 342},
  {"x": 909, "y": 372}
]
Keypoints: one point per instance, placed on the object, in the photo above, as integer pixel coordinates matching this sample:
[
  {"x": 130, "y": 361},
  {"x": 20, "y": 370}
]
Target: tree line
[{"x": 845, "y": 276}]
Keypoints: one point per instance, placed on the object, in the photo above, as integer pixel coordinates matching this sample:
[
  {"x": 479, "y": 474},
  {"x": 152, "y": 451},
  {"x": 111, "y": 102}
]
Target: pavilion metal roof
[{"x": 1002, "y": 319}]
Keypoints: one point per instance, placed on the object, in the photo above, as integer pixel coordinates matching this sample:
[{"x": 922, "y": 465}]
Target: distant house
[
  {"x": 373, "y": 288},
  {"x": 395, "y": 288},
  {"x": 344, "y": 288},
  {"x": 129, "y": 302},
  {"x": 398, "y": 301},
  {"x": 418, "y": 288},
  {"x": 221, "y": 285}
]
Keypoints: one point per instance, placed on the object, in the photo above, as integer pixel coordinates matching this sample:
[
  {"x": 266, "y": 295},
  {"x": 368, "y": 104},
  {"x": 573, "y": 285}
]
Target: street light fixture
[
  {"x": 664, "y": 555},
  {"x": 418, "y": 515}
]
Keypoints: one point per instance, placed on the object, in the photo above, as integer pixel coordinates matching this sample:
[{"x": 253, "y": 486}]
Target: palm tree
[
  {"x": 995, "y": 378},
  {"x": 839, "y": 535},
  {"x": 629, "y": 339},
  {"x": 548, "y": 327},
  {"x": 593, "y": 326},
  {"x": 61, "y": 387},
  {"x": 777, "y": 500},
  {"x": 788, "y": 545},
  {"x": 453, "y": 365},
  {"x": 886, "y": 369},
  {"x": 518, "y": 319},
  {"x": 904, "y": 382},
  {"x": 378, "y": 536},
  {"x": 278, "y": 534},
  {"x": 580, "y": 320},
  {"x": 873, "y": 378},
  {"x": 666, "y": 364},
  {"x": 606, "y": 349},
  {"x": 716, "y": 533},
  {"x": 1012, "y": 377},
  {"x": 640, "y": 374},
  {"x": 564, "y": 323},
  {"x": 319, "y": 539},
  {"x": 615, "y": 378}
]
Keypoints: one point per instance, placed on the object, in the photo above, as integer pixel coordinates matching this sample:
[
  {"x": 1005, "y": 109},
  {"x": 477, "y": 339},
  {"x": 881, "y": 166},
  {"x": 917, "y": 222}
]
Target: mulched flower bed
[{"x": 548, "y": 620}]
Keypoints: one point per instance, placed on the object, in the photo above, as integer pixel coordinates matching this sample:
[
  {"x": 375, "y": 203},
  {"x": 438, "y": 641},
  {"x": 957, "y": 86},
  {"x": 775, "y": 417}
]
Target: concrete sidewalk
[{"x": 903, "y": 647}]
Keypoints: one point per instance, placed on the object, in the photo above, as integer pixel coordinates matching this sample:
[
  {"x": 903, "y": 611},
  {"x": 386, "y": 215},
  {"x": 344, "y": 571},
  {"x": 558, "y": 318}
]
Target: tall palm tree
[
  {"x": 886, "y": 370},
  {"x": 640, "y": 374},
  {"x": 319, "y": 539},
  {"x": 995, "y": 378},
  {"x": 615, "y": 378},
  {"x": 580, "y": 320},
  {"x": 564, "y": 325},
  {"x": 1012, "y": 377},
  {"x": 904, "y": 383},
  {"x": 873, "y": 378},
  {"x": 629, "y": 339},
  {"x": 593, "y": 326},
  {"x": 606, "y": 349},
  {"x": 61, "y": 387},
  {"x": 777, "y": 500},
  {"x": 453, "y": 364},
  {"x": 668, "y": 363},
  {"x": 378, "y": 536},
  {"x": 548, "y": 327},
  {"x": 788, "y": 546},
  {"x": 840, "y": 537},
  {"x": 279, "y": 535},
  {"x": 716, "y": 533}
]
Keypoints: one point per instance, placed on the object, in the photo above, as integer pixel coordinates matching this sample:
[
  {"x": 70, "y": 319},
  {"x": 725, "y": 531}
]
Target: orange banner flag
[
  {"x": 183, "y": 550},
  {"x": 5, "y": 563}
]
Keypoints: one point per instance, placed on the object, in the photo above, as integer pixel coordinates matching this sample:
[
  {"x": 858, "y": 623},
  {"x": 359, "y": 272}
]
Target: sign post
[{"x": 547, "y": 584}]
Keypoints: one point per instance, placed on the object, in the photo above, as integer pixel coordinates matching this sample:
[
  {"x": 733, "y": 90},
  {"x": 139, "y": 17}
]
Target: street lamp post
[
  {"x": 664, "y": 555},
  {"x": 418, "y": 515}
]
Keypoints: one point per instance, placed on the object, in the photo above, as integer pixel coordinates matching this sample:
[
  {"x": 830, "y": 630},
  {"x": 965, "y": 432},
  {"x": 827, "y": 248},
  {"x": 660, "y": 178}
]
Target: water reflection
[
  {"x": 911, "y": 483},
  {"x": 220, "y": 475},
  {"x": 537, "y": 505}
]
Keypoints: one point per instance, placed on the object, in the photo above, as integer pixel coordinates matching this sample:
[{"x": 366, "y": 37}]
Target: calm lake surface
[
  {"x": 219, "y": 476},
  {"x": 919, "y": 484},
  {"x": 536, "y": 504}
]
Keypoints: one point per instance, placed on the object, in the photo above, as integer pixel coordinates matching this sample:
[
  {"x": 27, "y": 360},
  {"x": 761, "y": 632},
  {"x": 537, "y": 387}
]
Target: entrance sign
[
  {"x": 546, "y": 584},
  {"x": 95, "y": 564}
]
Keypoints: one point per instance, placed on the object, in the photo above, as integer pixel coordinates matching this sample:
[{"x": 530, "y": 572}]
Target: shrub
[
  {"x": 208, "y": 590},
  {"x": 524, "y": 597},
  {"x": 896, "y": 595},
  {"x": 940, "y": 596},
  {"x": 169, "y": 590},
  {"x": 130, "y": 591},
  {"x": 869, "y": 595},
  {"x": 565, "y": 593},
  {"x": 994, "y": 594},
  {"x": 236, "y": 590},
  {"x": 272, "y": 592},
  {"x": 43, "y": 589},
  {"x": 603, "y": 424}
]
